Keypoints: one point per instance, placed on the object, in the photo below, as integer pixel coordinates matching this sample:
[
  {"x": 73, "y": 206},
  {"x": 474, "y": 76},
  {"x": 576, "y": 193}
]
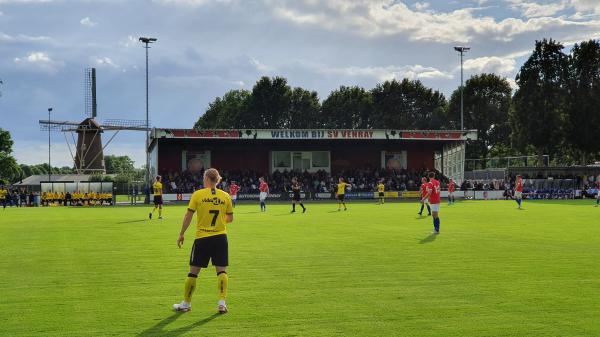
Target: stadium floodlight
[
  {"x": 461, "y": 50},
  {"x": 147, "y": 41},
  {"x": 49, "y": 163}
]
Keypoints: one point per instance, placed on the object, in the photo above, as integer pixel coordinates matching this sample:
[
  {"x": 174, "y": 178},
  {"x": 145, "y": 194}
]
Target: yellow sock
[
  {"x": 190, "y": 286},
  {"x": 160, "y": 212},
  {"x": 222, "y": 281}
]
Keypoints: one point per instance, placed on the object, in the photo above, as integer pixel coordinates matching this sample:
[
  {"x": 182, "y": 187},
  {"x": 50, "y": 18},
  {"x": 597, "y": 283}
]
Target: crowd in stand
[{"x": 319, "y": 182}]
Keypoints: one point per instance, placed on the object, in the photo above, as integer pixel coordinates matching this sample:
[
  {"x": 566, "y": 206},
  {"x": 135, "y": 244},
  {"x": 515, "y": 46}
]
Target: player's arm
[
  {"x": 427, "y": 194},
  {"x": 187, "y": 220},
  {"x": 228, "y": 211}
]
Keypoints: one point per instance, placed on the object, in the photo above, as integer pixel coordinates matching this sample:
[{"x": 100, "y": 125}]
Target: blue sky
[{"x": 206, "y": 48}]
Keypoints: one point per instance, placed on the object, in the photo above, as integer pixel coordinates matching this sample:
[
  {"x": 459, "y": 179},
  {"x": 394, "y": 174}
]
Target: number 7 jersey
[{"x": 211, "y": 206}]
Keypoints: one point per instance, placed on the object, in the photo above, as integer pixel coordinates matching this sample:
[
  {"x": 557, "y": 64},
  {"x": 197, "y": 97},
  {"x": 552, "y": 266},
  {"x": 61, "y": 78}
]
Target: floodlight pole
[
  {"x": 49, "y": 162},
  {"x": 147, "y": 41},
  {"x": 461, "y": 50}
]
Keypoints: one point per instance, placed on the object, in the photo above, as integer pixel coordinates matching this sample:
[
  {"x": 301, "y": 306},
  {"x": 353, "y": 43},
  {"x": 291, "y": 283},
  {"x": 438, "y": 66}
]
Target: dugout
[{"x": 331, "y": 150}]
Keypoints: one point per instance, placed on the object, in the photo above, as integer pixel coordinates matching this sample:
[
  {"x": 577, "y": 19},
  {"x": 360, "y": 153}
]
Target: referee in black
[{"x": 296, "y": 196}]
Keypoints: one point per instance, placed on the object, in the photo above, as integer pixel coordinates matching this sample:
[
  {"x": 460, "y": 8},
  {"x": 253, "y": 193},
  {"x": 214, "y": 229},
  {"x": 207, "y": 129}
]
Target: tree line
[{"x": 555, "y": 109}]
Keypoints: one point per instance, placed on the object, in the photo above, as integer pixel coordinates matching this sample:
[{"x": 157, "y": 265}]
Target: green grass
[{"x": 371, "y": 271}]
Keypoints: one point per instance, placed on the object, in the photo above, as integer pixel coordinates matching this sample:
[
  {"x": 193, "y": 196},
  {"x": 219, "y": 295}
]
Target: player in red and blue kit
[
  {"x": 519, "y": 190},
  {"x": 433, "y": 194},
  {"x": 424, "y": 201},
  {"x": 264, "y": 192},
  {"x": 598, "y": 190},
  {"x": 451, "y": 189},
  {"x": 233, "y": 191}
]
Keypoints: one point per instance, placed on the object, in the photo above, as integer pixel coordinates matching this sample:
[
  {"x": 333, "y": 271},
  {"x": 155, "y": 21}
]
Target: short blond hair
[{"x": 212, "y": 175}]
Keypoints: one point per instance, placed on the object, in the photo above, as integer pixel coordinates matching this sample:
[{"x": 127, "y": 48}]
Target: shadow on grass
[
  {"x": 131, "y": 221},
  {"x": 428, "y": 239},
  {"x": 158, "y": 329}
]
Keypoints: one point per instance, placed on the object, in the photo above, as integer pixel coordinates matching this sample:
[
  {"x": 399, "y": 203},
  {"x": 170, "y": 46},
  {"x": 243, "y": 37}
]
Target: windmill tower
[
  {"x": 89, "y": 157},
  {"x": 89, "y": 148}
]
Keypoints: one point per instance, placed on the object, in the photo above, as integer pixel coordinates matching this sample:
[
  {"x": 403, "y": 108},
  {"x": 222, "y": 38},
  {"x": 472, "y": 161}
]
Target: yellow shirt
[
  {"x": 211, "y": 206},
  {"x": 341, "y": 188},
  {"x": 157, "y": 187},
  {"x": 381, "y": 187},
  {"x": 2, "y": 194}
]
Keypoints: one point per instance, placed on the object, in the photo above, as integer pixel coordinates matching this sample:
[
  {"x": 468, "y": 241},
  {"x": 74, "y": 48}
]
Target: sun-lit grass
[{"x": 371, "y": 271}]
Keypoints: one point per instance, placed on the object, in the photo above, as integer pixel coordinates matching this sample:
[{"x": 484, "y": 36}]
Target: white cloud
[
  {"x": 498, "y": 65},
  {"x": 87, "y": 22},
  {"x": 192, "y": 2},
  {"x": 38, "y": 61},
  {"x": 532, "y": 9},
  {"x": 23, "y": 1},
  {"x": 586, "y": 5},
  {"x": 21, "y": 38},
  {"x": 105, "y": 61},
  {"x": 376, "y": 18},
  {"x": 379, "y": 73},
  {"x": 421, "y": 6}
]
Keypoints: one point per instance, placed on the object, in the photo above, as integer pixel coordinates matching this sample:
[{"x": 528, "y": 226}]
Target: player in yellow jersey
[
  {"x": 3, "y": 193},
  {"x": 341, "y": 193},
  {"x": 214, "y": 211},
  {"x": 381, "y": 191},
  {"x": 158, "y": 200}
]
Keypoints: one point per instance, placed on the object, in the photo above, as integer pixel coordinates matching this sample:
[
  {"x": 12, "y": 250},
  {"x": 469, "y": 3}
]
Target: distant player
[
  {"x": 381, "y": 191},
  {"x": 341, "y": 193},
  {"x": 451, "y": 189},
  {"x": 233, "y": 191},
  {"x": 433, "y": 195},
  {"x": 213, "y": 210},
  {"x": 296, "y": 196},
  {"x": 597, "y": 191},
  {"x": 519, "y": 190},
  {"x": 424, "y": 200},
  {"x": 3, "y": 194},
  {"x": 158, "y": 200},
  {"x": 264, "y": 193}
]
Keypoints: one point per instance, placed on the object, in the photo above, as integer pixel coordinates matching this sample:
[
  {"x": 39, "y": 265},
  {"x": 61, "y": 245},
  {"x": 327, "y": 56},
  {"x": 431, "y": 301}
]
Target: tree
[
  {"x": 226, "y": 112},
  {"x": 487, "y": 100},
  {"x": 583, "y": 101},
  {"x": 348, "y": 107},
  {"x": 539, "y": 104},
  {"x": 269, "y": 104},
  {"x": 408, "y": 105},
  {"x": 305, "y": 110},
  {"x": 9, "y": 170},
  {"x": 118, "y": 164}
]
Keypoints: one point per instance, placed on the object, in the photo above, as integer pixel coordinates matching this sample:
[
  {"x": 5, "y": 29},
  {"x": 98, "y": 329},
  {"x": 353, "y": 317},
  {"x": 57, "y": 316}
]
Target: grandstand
[{"x": 317, "y": 156}]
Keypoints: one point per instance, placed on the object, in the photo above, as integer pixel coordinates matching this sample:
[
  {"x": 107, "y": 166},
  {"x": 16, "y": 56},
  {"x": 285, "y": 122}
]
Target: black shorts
[
  {"x": 381, "y": 194},
  {"x": 214, "y": 248},
  {"x": 296, "y": 197},
  {"x": 158, "y": 200},
  {"x": 341, "y": 197}
]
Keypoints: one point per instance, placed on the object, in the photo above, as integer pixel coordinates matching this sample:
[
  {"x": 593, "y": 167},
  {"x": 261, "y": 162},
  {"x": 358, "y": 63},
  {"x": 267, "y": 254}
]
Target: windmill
[{"x": 89, "y": 149}]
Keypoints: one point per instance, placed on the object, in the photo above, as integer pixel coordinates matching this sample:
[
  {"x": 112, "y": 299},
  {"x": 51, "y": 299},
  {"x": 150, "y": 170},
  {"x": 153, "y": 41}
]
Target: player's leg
[
  {"x": 598, "y": 199},
  {"x": 302, "y": 205},
  {"x": 222, "y": 283},
  {"x": 428, "y": 208},
  {"x": 160, "y": 210},
  {"x": 199, "y": 258},
  {"x": 293, "y": 206},
  {"x": 422, "y": 206},
  {"x": 435, "y": 210},
  {"x": 220, "y": 259}
]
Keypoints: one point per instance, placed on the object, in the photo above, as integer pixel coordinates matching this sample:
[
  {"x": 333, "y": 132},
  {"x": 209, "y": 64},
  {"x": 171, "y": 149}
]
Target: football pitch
[{"x": 374, "y": 270}]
